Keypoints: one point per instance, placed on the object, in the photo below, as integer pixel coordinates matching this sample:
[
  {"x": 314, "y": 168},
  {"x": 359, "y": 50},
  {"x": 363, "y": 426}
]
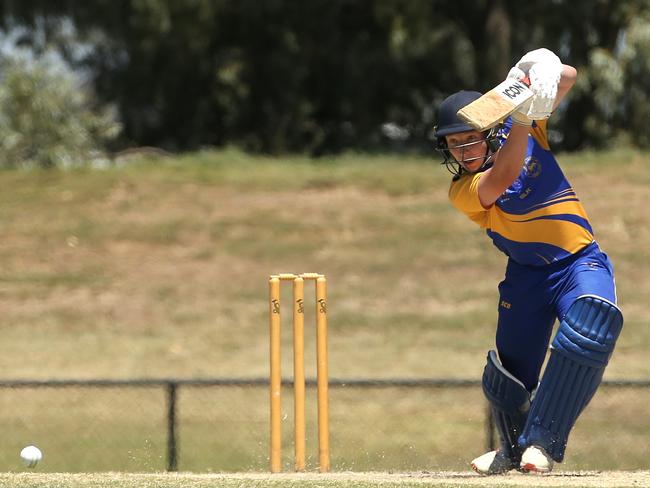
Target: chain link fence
[{"x": 222, "y": 425}]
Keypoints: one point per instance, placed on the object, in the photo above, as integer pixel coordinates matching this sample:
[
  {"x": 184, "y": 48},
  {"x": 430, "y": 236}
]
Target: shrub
[{"x": 47, "y": 117}]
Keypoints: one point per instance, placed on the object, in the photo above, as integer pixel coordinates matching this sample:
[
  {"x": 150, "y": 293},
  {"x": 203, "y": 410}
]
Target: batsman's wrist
[{"x": 520, "y": 119}]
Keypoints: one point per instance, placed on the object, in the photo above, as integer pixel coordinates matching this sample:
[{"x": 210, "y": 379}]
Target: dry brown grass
[{"x": 160, "y": 269}]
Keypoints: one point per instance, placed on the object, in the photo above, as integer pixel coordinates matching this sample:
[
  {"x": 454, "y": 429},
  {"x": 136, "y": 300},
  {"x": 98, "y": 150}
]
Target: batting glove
[
  {"x": 543, "y": 68},
  {"x": 544, "y": 81},
  {"x": 516, "y": 73},
  {"x": 541, "y": 55},
  {"x": 520, "y": 117}
]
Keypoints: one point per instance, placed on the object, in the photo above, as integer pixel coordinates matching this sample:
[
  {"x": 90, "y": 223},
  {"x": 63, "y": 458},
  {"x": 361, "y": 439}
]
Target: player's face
[{"x": 469, "y": 149}]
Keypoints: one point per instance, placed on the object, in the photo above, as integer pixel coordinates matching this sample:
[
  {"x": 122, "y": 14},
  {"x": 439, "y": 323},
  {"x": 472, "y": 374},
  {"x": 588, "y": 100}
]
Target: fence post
[{"x": 172, "y": 449}]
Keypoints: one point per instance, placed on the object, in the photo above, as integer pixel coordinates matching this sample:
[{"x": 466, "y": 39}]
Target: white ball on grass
[{"x": 30, "y": 456}]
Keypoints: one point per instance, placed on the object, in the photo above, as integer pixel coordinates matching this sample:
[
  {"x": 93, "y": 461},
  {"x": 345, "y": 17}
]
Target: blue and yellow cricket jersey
[{"x": 539, "y": 219}]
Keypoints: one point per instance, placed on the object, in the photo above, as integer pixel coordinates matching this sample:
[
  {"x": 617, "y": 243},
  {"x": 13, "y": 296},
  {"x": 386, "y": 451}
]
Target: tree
[
  {"x": 47, "y": 118},
  {"x": 325, "y": 75}
]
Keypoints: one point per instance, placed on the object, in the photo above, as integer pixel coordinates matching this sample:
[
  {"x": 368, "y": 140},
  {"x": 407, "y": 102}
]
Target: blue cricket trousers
[{"x": 533, "y": 297}]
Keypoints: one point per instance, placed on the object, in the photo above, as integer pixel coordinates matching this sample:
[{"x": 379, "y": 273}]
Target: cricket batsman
[{"x": 508, "y": 182}]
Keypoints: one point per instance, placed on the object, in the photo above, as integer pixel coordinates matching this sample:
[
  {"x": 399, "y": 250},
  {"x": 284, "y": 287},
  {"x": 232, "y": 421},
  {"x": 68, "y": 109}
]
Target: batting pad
[
  {"x": 509, "y": 401},
  {"x": 580, "y": 351}
]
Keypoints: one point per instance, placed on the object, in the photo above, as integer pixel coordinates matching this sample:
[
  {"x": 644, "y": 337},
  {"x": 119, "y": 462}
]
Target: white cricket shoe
[
  {"x": 494, "y": 462},
  {"x": 535, "y": 460}
]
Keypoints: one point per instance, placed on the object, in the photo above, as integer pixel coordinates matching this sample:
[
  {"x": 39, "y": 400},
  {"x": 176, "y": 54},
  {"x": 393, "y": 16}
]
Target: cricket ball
[{"x": 30, "y": 456}]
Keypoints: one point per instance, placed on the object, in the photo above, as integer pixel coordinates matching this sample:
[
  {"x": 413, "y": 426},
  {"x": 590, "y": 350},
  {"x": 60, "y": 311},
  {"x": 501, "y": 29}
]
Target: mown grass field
[
  {"x": 353, "y": 480},
  {"x": 159, "y": 269}
]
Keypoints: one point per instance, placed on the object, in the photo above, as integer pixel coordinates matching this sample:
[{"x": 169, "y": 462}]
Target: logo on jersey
[
  {"x": 515, "y": 188},
  {"x": 533, "y": 167}
]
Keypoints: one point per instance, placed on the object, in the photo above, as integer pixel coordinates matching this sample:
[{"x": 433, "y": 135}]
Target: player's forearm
[
  {"x": 568, "y": 78},
  {"x": 506, "y": 168},
  {"x": 510, "y": 158}
]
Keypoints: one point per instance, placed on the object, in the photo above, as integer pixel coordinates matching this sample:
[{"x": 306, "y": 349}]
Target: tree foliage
[
  {"x": 325, "y": 75},
  {"x": 46, "y": 117}
]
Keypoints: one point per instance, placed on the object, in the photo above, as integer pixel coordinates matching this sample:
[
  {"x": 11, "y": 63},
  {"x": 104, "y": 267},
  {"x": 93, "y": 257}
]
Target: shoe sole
[
  {"x": 488, "y": 473},
  {"x": 482, "y": 473},
  {"x": 531, "y": 468}
]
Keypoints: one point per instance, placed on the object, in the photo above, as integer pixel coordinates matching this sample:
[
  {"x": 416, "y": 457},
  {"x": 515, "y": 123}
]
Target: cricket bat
[{"x": 501, "y": 101}]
